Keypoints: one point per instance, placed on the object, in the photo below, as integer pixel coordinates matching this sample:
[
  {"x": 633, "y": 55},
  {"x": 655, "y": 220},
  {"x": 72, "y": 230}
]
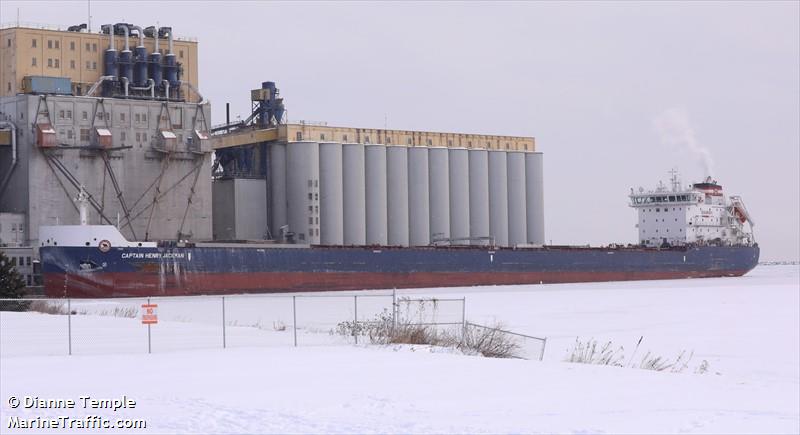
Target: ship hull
[{"x": 132, "y": 271}]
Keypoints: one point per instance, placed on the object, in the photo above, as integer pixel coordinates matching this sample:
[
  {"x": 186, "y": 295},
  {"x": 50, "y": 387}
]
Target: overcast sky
[{"x": 616, "y": 94}]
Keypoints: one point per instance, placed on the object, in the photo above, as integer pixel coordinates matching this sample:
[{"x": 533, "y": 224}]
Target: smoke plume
[{"x": 675, "y": 130}]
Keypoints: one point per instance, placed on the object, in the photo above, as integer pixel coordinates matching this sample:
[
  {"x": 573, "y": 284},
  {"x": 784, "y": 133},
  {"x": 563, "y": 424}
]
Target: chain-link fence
[
  {"x": 134, "y": 325},
  {"x": 86, "y": 326}
]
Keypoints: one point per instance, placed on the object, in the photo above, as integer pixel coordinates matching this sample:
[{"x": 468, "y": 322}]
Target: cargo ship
[{"x": 691, "y": 232}]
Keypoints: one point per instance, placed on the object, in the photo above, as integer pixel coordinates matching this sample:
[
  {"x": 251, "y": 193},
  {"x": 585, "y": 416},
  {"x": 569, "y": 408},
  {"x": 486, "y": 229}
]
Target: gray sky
[{"x": 616, "y": 94}]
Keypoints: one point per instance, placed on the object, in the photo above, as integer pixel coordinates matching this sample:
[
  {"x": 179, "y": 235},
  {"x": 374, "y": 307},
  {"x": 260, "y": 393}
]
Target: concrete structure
[
  {"x": 298, "y": 131},
  {"x": 498, "y": 197},
  {"x": 238, "y": 209},
  {"x": 376, "y": 206},
  {"x": 397, "y": 189},
  {"x": 419, "y": 225},
  {"x": 277, "y": 190},
  {"x": 517, "y": 213},
  {"x": 53, "y": 52},
  {"x": 302, "y": 187},
  {"x": 331, "y": 195},
  {"x": 143, "y": 156},
  {"x": 439, "y": 198},
  {"x": 479, "y": 197},
  {"x": 354, "y": 195},
  {"x": 459, "y": 194},
  {"x": 534, "y": 193}
]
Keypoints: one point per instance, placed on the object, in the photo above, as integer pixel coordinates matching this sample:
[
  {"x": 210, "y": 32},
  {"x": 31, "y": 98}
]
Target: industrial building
[
  {"x": 84, "y": 112},
  {"x": 353, "y": 186},
  {"x": 117, "y": 116}
]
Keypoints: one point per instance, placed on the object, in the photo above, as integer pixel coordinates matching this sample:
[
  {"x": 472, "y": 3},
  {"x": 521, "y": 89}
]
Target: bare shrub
[
  {"x": 490, "y": 342},
  {"x": 48, "y": 307},
  {"x": 661, "y": 364}
]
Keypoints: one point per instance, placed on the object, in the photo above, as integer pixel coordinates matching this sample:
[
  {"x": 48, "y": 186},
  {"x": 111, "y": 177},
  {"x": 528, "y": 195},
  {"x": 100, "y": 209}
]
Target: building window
[
  {"x": 180, "y": 53},
  {"x": 58, "y": 45},
  {"x": 49, "y": 43},
  {"x": 33, "y": 61},
  {"x": 366, "y": 139},
  {"x": 122, "y": 117},
  {"x": 408, "y": 141},
  {"x": 9, "y": 43},
  {"x": 388, "y": 140},
  {"x": 144, "y": 117},
  {"x": 33, "y": 43},
  {"x": 49, "y": 63},
  {"x": 58, "y": 64},
  {"x": 138, "y": 137},
  {"x": 299, "y": 135},
  {"x": 122, "y": 135},
  {"x": 322, "y": 136},
  {"x": 88, "y": 47},
  {"x": 429, "y": 142},
  {"x": 137, "y": 118},
  {"x": 94, "y": 47},
  {"x": 72, "y": 45},
  {"x": 94, "y": 65},
  {"x": 84, "y": 134},
  {"x": 344, "y": 138},
  {"x": 144, "y": 137},
  {"x": 61, "y": 114},
  {"x": 88, "y": 65},
  {"x": 69, "y": 134},
  {"x": 84, "y": 115}
]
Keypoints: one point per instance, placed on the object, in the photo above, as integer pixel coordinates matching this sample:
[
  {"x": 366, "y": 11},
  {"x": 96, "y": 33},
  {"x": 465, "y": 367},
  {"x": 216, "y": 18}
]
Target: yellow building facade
[{"x": 76, "y": 55}]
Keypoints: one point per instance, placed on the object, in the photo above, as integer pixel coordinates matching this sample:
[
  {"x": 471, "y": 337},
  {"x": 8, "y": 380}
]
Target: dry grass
[
  {"x": 490, "y": 342},
  {"x": 591, "y": 352},
  {"x": 60, "y": 308}
]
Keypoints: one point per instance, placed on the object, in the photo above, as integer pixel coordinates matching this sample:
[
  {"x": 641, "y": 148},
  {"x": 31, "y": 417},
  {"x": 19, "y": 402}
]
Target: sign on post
[{"x": 149, "y": 314}]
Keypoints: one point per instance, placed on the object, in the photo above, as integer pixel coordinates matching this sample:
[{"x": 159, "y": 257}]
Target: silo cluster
[{"x": 387, "y": 195}]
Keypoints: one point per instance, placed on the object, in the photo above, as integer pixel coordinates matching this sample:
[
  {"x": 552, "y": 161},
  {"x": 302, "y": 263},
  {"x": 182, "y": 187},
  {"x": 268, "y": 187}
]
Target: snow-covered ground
[{"x": 747, "y": 329}]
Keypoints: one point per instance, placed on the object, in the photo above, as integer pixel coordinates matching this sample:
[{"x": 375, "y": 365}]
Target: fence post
[
  {"x": 69, "y": 326},
  {"x": 394, "y": 308},
  {"x": 294, "y": 318},
  {"x": 149, "y": 345},
  {"x": 463, "y": 318},
  {"x": 224, "y": 344},
  {"x": 355, "y": 317}
]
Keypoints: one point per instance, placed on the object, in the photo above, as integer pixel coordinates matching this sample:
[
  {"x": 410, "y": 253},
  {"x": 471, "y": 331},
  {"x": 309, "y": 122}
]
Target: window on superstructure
[
  {"x": 33, "y": 43},
  {"x": 72, "y": 45}
]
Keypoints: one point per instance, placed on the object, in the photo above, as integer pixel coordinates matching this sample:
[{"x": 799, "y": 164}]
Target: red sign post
[{"x": 149, "y": 314}]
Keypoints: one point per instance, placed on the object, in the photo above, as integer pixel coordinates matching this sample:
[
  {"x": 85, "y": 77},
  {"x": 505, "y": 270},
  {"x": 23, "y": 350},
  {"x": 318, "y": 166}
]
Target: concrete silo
[
  {"x": 419, "y": 232},
  {"x": 375, "y": 169},
  {"x": 277, "y": 177},
  {"x": 479, "y": 196},
  {"x": 354, "y": 202},
  {"x": 302, "y": 189},
  {"x": 331, "y": 200},
  {"x": 498, "y": 197},
  {"x": 397, "y": 189},
  {"x": 459, "y": 193},
  {"x": 517, "y": 213},
  {"x": 439, "y": 180},
  {"x": 534, "y": 192}
]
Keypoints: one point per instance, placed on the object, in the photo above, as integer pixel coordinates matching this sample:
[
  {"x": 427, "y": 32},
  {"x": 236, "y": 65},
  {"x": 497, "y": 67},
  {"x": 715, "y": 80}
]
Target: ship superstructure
[{"x": 699, "y": 214}]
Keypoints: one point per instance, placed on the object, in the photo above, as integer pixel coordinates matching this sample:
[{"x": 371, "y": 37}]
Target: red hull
[{"x": 126, "y": 284}]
